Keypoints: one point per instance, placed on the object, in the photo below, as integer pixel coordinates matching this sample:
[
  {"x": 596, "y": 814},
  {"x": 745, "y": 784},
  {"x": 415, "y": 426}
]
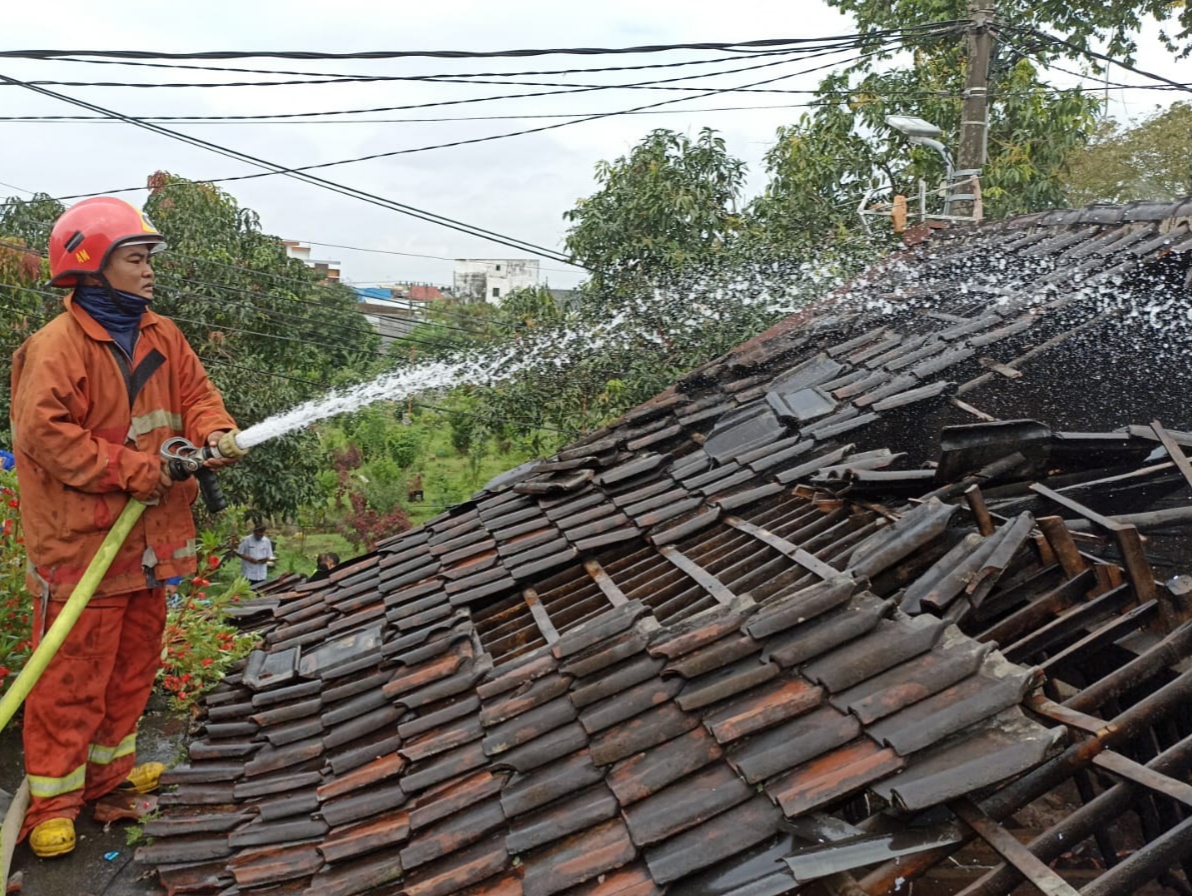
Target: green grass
[{"x": 296, "y": 549}]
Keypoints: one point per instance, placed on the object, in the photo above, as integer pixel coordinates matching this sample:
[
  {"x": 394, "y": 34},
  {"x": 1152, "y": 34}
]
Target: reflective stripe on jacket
[{"x": 87, "y": 430}]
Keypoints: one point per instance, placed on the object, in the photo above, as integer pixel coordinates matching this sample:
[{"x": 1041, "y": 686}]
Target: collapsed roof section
[{"x": 767, "y": 629}]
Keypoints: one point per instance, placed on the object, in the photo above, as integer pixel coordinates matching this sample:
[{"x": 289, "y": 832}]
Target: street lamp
[{"x": 922, "y": 133}]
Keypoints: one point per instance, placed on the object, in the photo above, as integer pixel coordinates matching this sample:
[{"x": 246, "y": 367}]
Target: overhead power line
[
  {"x": 433, "y": 76},
  {"x": 275, "y": 168},
  {"x": 325, "y": 78},
  {"x": 1101, "y": 57},
  {"x": 300, "y": 171},
  {"x": 436, "y": 54}
]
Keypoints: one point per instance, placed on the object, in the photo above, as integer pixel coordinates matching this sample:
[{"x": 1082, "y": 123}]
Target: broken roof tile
[
  {"x": 721, "y": 684},
  {"x": 453, "y": 796},
  {"x": 721, "y": 836},
  {"x": 946, "y": 712},
  {"x": 561, "y": 777},
  {"x": 628, "y": 703},
  {"x": 653, "y": 727},
  {"x": 444, "y": 767},
  {"x": 832, "y": 776},
  {"x": 529, "y": 725},
  {"x": 911, "y": 682},
  {"x": 890, "y": 643},
  {"x": 579, "y": 858},
  {"x": 380, "y": 769},
  {"x": 796, "y": 606},
  {"x": 811, "y": 639},
  {"x": 560, "y": 819},
  {"x": 530, "y": 695},
  {"x": 686, "y": 803},
  {"x": 453, "y": 833},
  {"x": 801, "y": 739},
  {"x": 547, "y": 748},
  {"x": 714, "y": 656},
  {"x": 453, "y": 734},
  {"x": 381, "y": 832},
  {"x": 773, "y": 702},
  {"x": 647, "y": 772}
]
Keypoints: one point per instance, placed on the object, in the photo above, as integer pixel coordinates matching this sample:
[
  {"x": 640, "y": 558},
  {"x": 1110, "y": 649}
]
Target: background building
[
  {"x": 328, "y": 270},
  {"x": 491, "y": 279}
]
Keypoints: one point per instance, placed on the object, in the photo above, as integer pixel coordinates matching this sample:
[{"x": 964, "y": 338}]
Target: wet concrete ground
[{"x": 102, "y": 862}]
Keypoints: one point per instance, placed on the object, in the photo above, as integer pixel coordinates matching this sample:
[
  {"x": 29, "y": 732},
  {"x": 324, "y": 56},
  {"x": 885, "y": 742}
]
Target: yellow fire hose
[{"x": 46, "y": 649}]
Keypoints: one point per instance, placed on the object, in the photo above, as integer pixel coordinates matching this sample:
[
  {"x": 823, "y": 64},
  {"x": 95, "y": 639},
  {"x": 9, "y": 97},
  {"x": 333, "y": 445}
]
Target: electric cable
[
  {"x": 567, "y": 89},
  {"x": 1093, "y": 54},
  {"x": 490, "y": 74},
  {"x": 1096, "y": 83},
  {"x": 300, "y": 171},
  {"x": 306, "y": 178},
  {"x": 437, "y": 54},
  {"x": 325, "y": 78}
]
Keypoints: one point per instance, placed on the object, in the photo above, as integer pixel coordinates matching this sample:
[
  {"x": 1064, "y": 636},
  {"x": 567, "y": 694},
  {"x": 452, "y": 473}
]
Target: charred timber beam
[
  {"x": 992, "y": 470},
  {"x": 1144, "y": 865},
  {"x": 1151, "y": 520},
  {"x": 1007, "y": 846},
  {"x": 1122, "y": 728},
  {"x": 976, "y": 503},
  {"x": 1125, "y": 767},
  {"x": 1040, "y": 611},
  {"x": 1139, "y": 617},
  {"x": 1077, "y": 619},
  {"x": 1060, "y": 538},
  {"x": 1083, "y": 822},
  {"x": 1171, "y": 650},
  {"x": 1173, "y": 451},
  {"x": 1129, "y": 543}
]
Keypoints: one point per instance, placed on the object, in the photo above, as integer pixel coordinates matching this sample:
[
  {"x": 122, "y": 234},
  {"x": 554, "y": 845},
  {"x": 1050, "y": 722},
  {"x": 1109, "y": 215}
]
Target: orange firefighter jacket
[{"x": 88, "y": 424}]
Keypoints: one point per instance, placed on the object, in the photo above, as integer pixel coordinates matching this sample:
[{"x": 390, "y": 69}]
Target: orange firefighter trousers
[{"x": 81, "y": 716}]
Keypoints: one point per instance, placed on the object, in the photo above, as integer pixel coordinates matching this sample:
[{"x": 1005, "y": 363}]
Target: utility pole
[{"x": 974, "y": 123}]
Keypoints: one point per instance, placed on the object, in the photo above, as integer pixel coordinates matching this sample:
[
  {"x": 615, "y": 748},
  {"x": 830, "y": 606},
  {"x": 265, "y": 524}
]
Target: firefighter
[{"x": 95, "y": 393}]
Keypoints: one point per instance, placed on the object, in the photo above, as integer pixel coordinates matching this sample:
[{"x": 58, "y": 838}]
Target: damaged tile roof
[{"x": 804, "y": 599}]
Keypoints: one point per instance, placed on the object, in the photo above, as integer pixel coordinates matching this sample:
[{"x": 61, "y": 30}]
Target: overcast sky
[{"x": 519, "y": 186}]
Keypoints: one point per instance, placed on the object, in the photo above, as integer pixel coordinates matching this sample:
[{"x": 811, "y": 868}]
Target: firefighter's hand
[
  {"x": 158, "y": 491},
  {"x": 215, "y": 463}
]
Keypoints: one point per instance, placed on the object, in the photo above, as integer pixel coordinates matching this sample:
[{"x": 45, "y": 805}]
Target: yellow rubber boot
[
  {"x": 144, "y": 778},
  {"x": 55, "y": 837}
]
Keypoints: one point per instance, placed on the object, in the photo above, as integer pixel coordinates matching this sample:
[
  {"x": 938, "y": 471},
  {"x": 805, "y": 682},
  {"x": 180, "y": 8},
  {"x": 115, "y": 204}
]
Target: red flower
[
  {"x": 208, "y": 661},
  {"x": 212, "y": 562},
  {"x": 14, "y": 503},
  {"x": 3, "y": 672}
]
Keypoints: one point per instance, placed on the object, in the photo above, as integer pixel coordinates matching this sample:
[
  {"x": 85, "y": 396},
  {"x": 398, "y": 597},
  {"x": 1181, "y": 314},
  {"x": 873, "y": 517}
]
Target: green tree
[
  {"x": 670, "y": 203},
  {"x": 822, "y": 166},
  {"x": 1149, "y": 160}
]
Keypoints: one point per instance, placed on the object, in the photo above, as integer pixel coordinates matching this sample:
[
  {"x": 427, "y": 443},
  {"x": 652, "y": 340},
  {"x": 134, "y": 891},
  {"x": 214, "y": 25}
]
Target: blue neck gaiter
[{"x": 120, "y": 320}]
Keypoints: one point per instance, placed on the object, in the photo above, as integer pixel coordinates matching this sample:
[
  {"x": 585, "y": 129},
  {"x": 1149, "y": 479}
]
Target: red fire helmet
[{"x": 86, "y": 233}]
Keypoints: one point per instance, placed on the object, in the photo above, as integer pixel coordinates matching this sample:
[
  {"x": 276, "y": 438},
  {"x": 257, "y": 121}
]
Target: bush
[
  {"x": 200, "y": 642},
  {"x": 16, "y": 607}
]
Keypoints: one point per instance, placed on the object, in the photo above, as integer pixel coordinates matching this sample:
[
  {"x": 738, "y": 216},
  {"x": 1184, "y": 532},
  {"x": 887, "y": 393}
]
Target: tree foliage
[
  {"x": 1148, "y": 161},
  {"x": 671, "y": 202},
  {"x": 822, "y": 166}
]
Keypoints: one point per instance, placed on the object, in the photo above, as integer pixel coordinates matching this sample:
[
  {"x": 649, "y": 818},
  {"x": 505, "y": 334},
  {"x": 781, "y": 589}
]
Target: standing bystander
[{"x": 256, "y": 556}]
